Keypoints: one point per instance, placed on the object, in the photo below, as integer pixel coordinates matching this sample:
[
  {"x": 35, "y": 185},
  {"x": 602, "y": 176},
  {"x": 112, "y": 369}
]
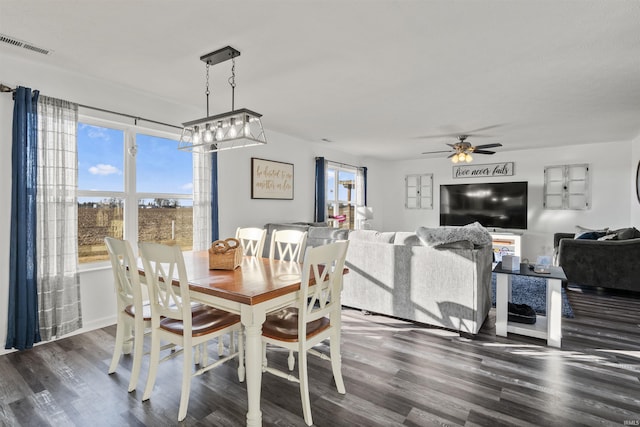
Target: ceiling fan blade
[
  {"x": 497, "y": 144},
  {"x": 483, "y": 152},
  {"x": 437, "y": 152},
  {"x": 454, "y": 154},
  {"x": 452, "y": 145},
  {"x": 482, "y": 128},
  {"x": 456, "y": 133}
]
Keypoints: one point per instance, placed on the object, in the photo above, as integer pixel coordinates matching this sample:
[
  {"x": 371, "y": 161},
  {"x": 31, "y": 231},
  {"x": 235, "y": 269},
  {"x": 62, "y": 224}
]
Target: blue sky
[{"x": 160, "y": 166}]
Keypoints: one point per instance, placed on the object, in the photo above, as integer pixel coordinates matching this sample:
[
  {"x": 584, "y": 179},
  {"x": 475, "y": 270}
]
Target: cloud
[
  {"x": 96, "y": 132},
  {"x": 188, "y": 186},
  {"x": 101, "y": 169}
]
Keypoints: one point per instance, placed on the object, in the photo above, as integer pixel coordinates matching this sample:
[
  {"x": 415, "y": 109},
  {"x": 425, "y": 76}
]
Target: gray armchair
[{"x": 613, "y": 264}]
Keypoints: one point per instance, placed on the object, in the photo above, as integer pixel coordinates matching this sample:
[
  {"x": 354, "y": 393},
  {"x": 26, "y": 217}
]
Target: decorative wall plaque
[
  {"x": 481, "y": 171},
  {"x": 271, "y": 180}
]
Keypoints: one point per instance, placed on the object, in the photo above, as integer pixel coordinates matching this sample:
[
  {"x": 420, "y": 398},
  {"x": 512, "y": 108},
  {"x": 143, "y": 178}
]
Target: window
[
  {"x": 343, "y": 191},
  {"x": 419, "y": 191},
  {"x": 566, "y": 187},
  {"x": 131, "y": 185}
]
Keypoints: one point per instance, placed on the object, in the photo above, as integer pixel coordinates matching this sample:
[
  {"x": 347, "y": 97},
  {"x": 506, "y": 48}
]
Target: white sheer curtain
[
  {"x": 201, "y": 201},
  {"x": 360, "y": 187},
  {"x": 57, "y": 212}
]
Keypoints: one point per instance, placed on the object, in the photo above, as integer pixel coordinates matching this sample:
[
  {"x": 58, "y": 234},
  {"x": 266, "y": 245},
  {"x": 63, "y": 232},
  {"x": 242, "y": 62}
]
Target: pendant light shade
[{"x": 233, "y": 129}]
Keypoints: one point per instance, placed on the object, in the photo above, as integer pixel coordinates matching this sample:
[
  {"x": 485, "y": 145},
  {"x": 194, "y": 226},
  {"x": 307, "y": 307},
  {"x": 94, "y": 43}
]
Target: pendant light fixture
[{"x": 234, "y": 129}]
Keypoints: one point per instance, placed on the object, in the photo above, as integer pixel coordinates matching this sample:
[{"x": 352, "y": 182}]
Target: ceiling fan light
[
  {"x": 454, "y": 159},
  {"x": 468, "y": 158},
  {"x": 461, "y": 157}
]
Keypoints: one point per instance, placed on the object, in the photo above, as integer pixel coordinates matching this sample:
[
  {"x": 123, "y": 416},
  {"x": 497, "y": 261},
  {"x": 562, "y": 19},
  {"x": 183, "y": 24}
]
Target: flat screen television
[{"x": 492, "y": 204}]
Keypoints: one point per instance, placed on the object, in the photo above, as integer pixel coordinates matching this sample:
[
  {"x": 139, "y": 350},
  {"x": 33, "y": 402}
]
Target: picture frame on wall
[{"x": 271, "y": 179}]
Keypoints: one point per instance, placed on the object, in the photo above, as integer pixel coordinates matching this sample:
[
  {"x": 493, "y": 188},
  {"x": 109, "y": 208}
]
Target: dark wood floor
[{"x": 396, "y": 373}]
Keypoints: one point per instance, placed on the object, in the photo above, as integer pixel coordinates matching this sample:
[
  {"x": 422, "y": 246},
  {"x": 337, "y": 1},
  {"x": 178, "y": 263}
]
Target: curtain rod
[
  {"x": 7, "y": 89},
  {"x": 344, "y": 164}
]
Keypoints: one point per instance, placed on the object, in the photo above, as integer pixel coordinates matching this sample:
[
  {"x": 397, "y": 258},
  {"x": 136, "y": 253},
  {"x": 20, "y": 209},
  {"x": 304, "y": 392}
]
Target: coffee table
[{"x": 547, "y": 327}]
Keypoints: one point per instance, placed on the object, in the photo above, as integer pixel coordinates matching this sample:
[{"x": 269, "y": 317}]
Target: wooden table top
[{"x": 255, "y": 281}]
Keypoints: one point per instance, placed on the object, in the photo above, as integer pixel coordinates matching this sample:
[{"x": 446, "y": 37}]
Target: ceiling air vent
[{"x": 21, "y": 43}]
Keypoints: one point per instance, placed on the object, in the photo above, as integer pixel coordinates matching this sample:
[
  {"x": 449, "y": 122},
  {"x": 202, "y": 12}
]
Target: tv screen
[{"x": 492, "y": 204}]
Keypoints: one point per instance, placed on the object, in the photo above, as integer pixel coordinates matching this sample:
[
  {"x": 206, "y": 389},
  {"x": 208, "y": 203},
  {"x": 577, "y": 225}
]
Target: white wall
[
  {"x": 236, "y": 206},
  {"x": 234, "y": 182},
  {"x": 611, "y": 179},
  {"x": 610, "y": 184}
]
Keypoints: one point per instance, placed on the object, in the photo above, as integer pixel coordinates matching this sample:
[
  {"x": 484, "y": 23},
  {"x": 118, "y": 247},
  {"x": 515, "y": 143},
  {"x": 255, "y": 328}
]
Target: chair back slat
[
  {"x": 287, "y": 245},
  {"x": 324, "y": 267},
  {"x": 163, "y": 266},
  {"x": 252, "y": 240},
  {"x": 125, "y": 273}
]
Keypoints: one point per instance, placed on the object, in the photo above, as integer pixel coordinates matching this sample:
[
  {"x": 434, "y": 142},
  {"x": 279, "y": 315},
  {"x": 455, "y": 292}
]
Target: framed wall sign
[
  {"x": 271, "y": 179},
  {"x": 482, "y": 171}
]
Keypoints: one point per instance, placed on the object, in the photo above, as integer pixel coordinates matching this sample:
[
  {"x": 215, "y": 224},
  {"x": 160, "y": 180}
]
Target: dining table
[{"x": 258, "y": 286}]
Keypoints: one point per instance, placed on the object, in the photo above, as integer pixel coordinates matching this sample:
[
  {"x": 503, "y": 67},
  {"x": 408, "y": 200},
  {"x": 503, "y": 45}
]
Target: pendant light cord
[
  {"x": 206, "y": 92},
  {"x": 232, "y": 83}
]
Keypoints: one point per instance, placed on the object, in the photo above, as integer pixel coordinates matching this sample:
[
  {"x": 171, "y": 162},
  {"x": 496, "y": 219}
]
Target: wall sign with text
[
  {"x": 482, "y": 171},
  {"x": 271, "y": 180}
]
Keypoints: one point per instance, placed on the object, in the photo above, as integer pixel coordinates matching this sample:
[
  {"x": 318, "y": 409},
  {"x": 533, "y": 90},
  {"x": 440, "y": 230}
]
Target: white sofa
[{"x": 439, "y": 276}]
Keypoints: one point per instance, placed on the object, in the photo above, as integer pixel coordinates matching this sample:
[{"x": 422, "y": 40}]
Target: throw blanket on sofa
[{"x": 474, "y": 233}]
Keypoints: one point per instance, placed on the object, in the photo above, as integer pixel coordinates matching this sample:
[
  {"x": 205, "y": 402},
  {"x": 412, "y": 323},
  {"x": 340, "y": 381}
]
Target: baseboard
[{"x": 88, "y": 326}]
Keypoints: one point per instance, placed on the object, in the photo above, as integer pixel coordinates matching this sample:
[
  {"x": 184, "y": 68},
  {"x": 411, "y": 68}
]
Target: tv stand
[{"x": 505, "y": 244}]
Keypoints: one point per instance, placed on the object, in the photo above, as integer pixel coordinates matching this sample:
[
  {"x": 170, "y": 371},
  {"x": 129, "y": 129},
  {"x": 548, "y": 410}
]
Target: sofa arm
[
  {"x": 608, "y": 264},
  {"x": 558, "y": 236}
]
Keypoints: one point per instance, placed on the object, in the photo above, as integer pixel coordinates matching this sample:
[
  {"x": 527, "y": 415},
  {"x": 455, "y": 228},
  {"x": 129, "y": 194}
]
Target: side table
[{"x": 547, "y": 327}]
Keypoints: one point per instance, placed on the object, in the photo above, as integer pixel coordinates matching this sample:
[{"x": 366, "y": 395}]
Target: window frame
[
  {"x": 129, "y": 195},
  {"x": 337, "y": 167}
]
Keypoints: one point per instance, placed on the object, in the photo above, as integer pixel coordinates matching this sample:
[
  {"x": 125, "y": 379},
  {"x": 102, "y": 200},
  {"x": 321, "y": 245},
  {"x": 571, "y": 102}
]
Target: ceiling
[{"x": 382, "y": 79}]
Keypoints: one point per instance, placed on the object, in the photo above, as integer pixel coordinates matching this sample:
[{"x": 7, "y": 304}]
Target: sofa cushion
[
  {"x": 626, "y": 233},
  {"x": 406, "y": 238},
  {"x": 584, "y": 230},
  {"x": 474, "y": 233},
  {"x": 373, "y": 236},
  {"x": 319, "y": 236},
  {"x": 591, "y": 235}
]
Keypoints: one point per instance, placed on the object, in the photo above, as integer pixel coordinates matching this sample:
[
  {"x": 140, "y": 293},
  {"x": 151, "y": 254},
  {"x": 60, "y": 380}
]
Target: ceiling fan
[{"x": 462, "y": 150}]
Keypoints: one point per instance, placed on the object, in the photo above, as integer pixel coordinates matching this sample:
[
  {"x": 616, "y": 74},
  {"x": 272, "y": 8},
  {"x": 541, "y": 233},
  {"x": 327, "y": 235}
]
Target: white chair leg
[
  {"x": 336, "y": 362},
  {"x": 138, "y": 350},
  {"x": 196, "y": 355},
  {"x": 127, "y": 345},
  {"x": 117, "y": 349},
  {"x": 221, "y": 347},
  {"x": 154, "y": 361},
  {"x": 241, "y": 368},
  {"x": 304, "y": 387},
  {"x": 186, "y": 383},
  {"x": 264, "y": 355},
  {"x": 204, "y": 355},
  {"x": 291, "y": 361}
]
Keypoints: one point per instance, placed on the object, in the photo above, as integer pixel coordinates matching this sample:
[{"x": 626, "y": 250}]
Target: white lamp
[{"x": 363, "y": 215}]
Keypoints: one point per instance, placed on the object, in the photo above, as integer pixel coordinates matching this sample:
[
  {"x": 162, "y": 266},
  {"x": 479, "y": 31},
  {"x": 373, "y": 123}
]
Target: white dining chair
[
  {"x": 252, "y": 240},
  {"x": 287, "y": 245},
  {"x": 133, "y": 313},
  {"x": 175, "y": 319},
  {"x": 317, "y": 318}
]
